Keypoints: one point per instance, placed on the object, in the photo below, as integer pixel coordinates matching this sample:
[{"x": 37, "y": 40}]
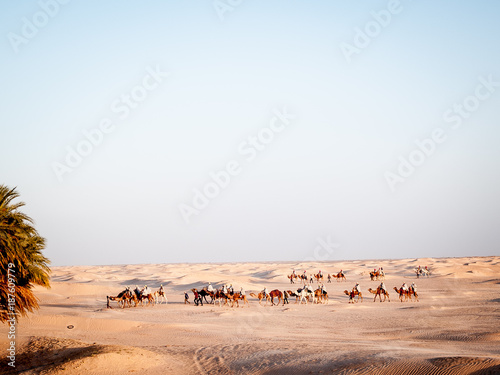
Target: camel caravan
[
  {"x": 138, "y": 297},
  {"x": 318, "y": 277},
  {"x": 226, "y": 296},
  {"x": 419, "y": 271}
]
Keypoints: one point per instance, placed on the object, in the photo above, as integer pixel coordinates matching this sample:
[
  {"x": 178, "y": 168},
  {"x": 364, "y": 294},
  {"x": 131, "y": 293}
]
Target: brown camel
[
  {"x": 321, "y": 296},
  {"x": 275, "y": 293},
  {"x": 403, "y": 294},
  {"x": 413, "y": 292},
  {"x": 340, "y": 276},
  {"x": 219, "y": 296},
  {"x": 124, "y": 297},
  {"x": 318, "y": 277},
  {"x": 260, "y": 296},
  {"x": 352, "y": 294},
  {"x": 236, "y": 297},
  {"x": 379, "y": 293},
  {"x": 293, "y": 294}
]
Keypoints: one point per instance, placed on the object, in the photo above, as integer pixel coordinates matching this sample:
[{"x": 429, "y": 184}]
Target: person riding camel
[
  {"x": 413, "y": 287},
  {"x": 382, "y": 287},
  {"x": 224, "y": 289},
  {"x": 404, "y": 287},
  {"x": 231, "y": 289},
  {"x": 293, "y": 273},
  {"x": 265, "y": 292},
  {"x": 137, "y": 292},
  {"x": 320, "y": 274},
  {"x": 357, "y": 288},
  {"x": 146, "y": 290},
  {"x": 242, "y": 291},
  {"x": 381, "y": 270},
  {"x": 161, "y": 289},
  {"x": 210, "y": 288}
]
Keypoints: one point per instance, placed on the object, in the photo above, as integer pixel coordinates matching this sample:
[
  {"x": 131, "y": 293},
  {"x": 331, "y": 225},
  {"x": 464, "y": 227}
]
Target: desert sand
[{"x": 454, "y": 328}]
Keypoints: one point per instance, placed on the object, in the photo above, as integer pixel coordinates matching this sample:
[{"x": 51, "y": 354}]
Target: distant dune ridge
[{"x": 453, "y": 329}]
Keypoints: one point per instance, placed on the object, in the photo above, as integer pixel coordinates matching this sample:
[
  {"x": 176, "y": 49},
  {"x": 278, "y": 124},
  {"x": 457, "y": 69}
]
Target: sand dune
[{"x": 453, "y": 329}]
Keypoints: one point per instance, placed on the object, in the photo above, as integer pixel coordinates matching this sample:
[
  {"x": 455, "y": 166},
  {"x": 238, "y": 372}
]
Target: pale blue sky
[{"x": 323, "y": 175}]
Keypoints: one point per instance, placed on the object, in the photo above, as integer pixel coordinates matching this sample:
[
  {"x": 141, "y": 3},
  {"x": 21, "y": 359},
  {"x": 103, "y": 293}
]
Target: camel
[
  {"x": 340, "y": 276},
  {"x": 321, "y": 296},
  {"x": 352, "y": 294},
  {"x": 379, "y": 293},
  {"x": 318, "y": 277},
  {"x": 303, "y": 278},
  {"x": 221, "y": 296},
  {"x": 204, "y": 293},
  {"x": 292, "y": 277},
  {"x": 236, "y": 297},
  {"x": 413, "y": 292},
  {"x": 293, "y": 294},
  {"x": 275, "y": 293},
  {"x": 403, "y": 294},
  {"x": 160, "y": 295},
  {"x": 260, "y": 296},
  {"x": 304, "y": 295},
  {"x": 124, "y": 297}
]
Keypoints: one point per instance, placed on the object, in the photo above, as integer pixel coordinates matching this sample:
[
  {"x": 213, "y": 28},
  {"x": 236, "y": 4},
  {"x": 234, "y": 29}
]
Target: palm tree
[{"x": 21, "y": 258}]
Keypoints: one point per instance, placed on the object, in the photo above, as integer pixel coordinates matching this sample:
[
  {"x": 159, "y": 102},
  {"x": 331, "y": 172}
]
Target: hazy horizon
[{"x": 251, "y": 132}]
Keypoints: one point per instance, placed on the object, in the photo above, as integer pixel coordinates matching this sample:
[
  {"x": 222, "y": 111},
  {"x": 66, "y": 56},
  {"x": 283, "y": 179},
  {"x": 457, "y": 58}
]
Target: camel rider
[
  {"x": 323, "y": 291},
  {"x": 413, "y": 287},
  {"x": 341, "y": 272},
  {"x": 224, "y": 289},
  {"x": 146, "y": 291},
  {"x": 265, "y": 292},
  {"x": 320, "y": 274},
  {"x": 404, "y": 287},
  {"x": 231, "y": 289},
  {"x": 293, "y": 273},
  {"x": 242, "y": 291},
  {"x": 381, "y": 270},
  {"x": 137, "y": 292},
  {"x": 382, "y": 287},
  {"x": 210, "y": 288},
  {"x": 356, "y": 288}
]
